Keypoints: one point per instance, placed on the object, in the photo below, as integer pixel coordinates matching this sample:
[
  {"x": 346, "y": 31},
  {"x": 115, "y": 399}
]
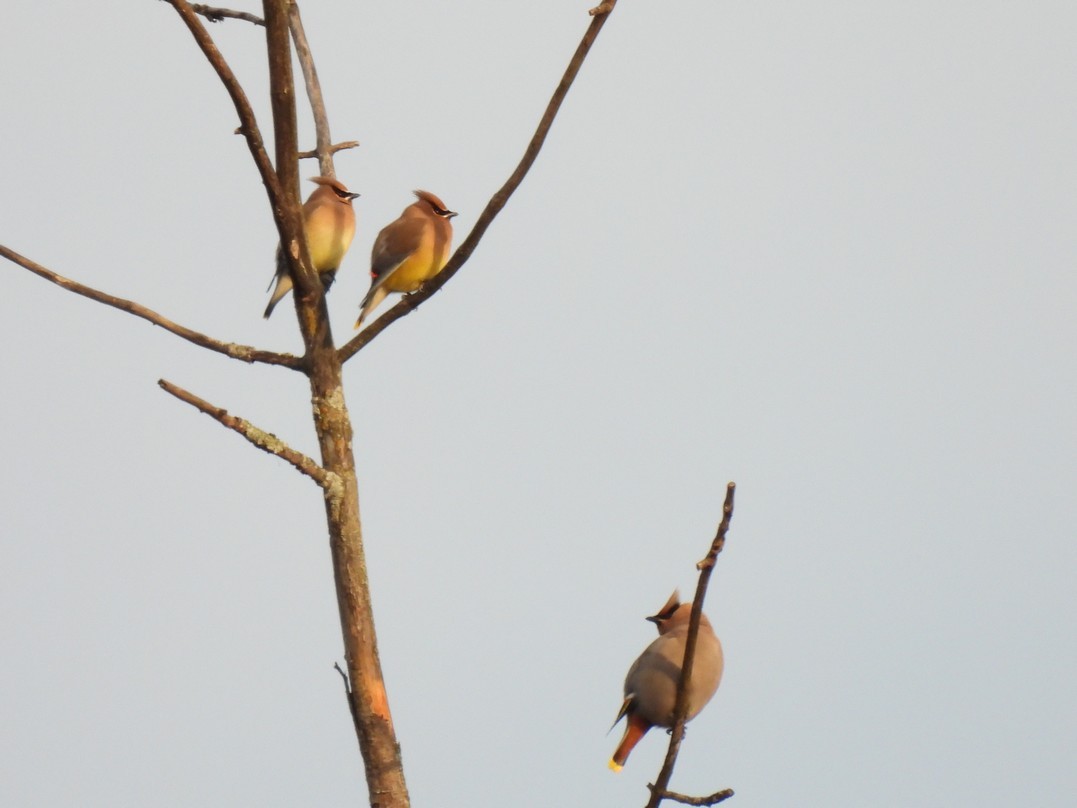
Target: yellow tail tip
[{"x": 615, "y": 766}]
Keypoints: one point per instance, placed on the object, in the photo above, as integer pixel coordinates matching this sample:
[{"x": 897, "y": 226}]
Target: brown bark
[{"x": 367, "y": 696}]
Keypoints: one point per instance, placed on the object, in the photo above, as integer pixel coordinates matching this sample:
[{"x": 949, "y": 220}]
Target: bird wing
[
  {"x": 394, "y": 245},
  {"x": 629, "y": 699}
]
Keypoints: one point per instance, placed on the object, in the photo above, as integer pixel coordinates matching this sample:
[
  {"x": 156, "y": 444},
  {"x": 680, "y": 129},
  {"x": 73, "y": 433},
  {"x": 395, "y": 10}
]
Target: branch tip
[{"x": 266, "y": 441}]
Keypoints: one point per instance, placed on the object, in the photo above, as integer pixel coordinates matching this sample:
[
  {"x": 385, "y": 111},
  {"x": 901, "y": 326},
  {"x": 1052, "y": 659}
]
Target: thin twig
[
  {"x": 705, "y": 567},
  {"x": 260, "y": 438},
  {"x": 347, "y": 692},
  {"x": 324, "y": 148},
  {"x": 346, "y": 144},
  {"x": 244, "y": 353},
  {"x": 344, "y": 676},
  {"x": 410, "y": 302},
  {"x": 219, "y": 14},
  {"x": 710, "y": 799}
]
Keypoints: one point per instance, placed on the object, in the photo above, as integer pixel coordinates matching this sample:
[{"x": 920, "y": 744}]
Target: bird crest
[{"x": 667, "y": 611}]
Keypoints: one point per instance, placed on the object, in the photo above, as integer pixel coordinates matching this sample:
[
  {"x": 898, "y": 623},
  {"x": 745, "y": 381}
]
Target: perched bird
[
  {"x": 409, "y": 252},
  {"x": 651, "y": 683},
  {"x": 329, "y": 222}
]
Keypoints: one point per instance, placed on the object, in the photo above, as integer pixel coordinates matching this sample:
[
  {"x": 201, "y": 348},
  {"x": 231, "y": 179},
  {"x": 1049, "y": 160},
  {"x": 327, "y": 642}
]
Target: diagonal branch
[
  {"x": 411, "y": 302},
  {"x": 243, "y": 352},
  {"x": 705, "y": 567},
  {"x": 263, "y": 440},
  {"x": 248, "y": 123},
  {"x": 285, "y": 211}
]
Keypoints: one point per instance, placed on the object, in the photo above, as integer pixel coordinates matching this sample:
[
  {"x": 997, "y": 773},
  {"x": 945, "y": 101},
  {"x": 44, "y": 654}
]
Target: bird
[
  {"x": 329, "y": 223},
  {"x": 650, "y": 689},
  {"x": 409, "y": 251}
]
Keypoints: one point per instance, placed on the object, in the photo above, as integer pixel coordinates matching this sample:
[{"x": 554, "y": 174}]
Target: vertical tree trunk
[{"x": 368, "y": 701}]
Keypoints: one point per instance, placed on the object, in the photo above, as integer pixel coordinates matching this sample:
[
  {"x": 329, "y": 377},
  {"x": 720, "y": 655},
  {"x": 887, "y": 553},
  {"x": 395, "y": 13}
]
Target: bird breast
[
  {"x": 652, "y": 680},
  {"x": 329, "y": 229}
]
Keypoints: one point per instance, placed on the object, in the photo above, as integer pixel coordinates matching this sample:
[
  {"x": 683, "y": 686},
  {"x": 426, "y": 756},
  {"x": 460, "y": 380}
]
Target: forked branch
[
  {"x": 705, "y": 567},
  {"x": 411, "y": 302},
  {"x": 244, "y": 353}
]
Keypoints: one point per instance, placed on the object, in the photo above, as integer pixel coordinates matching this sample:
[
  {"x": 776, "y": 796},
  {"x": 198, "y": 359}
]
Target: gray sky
[{"x": 825, "y": 250}]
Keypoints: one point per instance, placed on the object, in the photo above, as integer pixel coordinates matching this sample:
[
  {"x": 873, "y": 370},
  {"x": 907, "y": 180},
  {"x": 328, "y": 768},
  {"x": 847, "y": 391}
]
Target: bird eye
[{"x": 440, "y": 211}]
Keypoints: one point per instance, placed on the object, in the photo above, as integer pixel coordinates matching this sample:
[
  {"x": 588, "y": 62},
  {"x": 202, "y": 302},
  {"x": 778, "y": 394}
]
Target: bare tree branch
[
  {"x": 710, "y": 799},
  {"x": 244, "y": 353},
  {"x": 411, "y": 302},
  {"x": 263, "y": 440},
  {"x": 706, "y": 566},
  {"x": 345, "y": 144},
  {"x": 219, "y": 14},
  {"x": 324, "y": 147},
  {"x": 248, "y": 123}
]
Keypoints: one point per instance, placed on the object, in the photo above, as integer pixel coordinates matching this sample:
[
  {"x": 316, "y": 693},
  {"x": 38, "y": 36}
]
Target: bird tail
[
  {"x": 635, "y": 729},
  {"x": 284, "y": 286},
  {"x": 283, "y": 283},
  {"x": 372, "y": 300}
]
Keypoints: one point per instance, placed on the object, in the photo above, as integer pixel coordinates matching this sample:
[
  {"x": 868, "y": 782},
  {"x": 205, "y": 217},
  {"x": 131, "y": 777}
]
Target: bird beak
[
  {"x": 654, "y": 618},
  {"x": 353, "y": 196},
  {"x": 450, "y": 213}
]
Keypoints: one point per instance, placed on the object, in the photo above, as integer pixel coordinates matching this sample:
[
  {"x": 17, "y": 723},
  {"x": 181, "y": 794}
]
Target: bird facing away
[
  {"x": 329, "y": 222},
  {"x": 651, "y": 683},
  {"x": 409, "y": 252}
]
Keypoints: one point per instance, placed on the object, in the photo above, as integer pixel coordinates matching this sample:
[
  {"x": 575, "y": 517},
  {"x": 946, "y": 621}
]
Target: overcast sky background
[{"x": 825, "y": 250}]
